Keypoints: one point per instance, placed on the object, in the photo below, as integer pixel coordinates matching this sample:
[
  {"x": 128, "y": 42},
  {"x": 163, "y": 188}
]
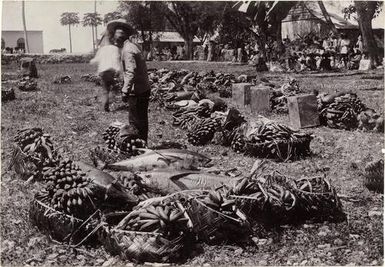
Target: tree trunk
[
  {"x": 24, "y": 26},
  {"x": 96, "y": 26},
  {"x": 93, "y": 38},
  {"x": 188, "y": 43},
  {"x": 365, "y": 12},
  {"x": 326, "y": 15},
  {"x": 69, "y": 31}
]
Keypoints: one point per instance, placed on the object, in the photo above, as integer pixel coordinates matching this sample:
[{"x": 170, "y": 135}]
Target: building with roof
[{"x": 15, "y": 40}]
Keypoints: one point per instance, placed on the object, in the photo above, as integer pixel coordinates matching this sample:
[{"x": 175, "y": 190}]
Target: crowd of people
[{"x": 312, "y": 52}]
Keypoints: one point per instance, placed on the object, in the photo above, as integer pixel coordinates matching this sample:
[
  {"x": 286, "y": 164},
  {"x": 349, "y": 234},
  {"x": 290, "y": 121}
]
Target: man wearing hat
[{"x": 136, "y": 88}]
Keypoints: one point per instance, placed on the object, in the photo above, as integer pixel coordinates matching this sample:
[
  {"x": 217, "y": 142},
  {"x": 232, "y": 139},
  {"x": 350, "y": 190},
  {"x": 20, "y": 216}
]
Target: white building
[{"x": 15, "y": 39}]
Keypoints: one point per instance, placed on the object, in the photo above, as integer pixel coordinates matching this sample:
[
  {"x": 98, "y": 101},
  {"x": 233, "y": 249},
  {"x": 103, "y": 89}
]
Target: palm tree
[
  {"x": 111, "y": 16},
  {"x": 69, "y": 18},
  {"x": 24, "y": 26},
  {"x": 93, "y": 20}
]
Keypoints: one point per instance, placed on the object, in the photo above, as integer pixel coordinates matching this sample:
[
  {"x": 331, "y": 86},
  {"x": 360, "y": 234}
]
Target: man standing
[{"x": 136, "y": 88}]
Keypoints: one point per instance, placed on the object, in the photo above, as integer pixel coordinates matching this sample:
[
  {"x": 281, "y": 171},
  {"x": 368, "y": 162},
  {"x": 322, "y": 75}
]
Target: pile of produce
[
  {"x": 158, "y": 215},
  {"x": 7, "y": 93},
  {"x": 346, "y": 111},
  {"x": 374, "y": 176},
  {"x": 278, "y": 100},
  {"x": 92, "y": 78},
  {"x": 49, "y": 58},
  {"x": 33, "y": 152},
  {"x": 174, "y": 86},
  {"x": 62, "y": 79},
  {"x": 27, "y": 84}
]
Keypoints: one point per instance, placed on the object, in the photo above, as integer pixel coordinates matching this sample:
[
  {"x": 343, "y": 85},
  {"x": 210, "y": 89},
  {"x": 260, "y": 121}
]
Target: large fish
[
  {"x": 164, "y": 158},
  {"x": 170, "y": 181}
]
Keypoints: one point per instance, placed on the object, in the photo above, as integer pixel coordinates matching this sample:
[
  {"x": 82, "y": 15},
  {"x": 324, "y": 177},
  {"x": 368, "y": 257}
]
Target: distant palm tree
[
  {"x": 24, "y": 26},
  {"x": 69, "y": 18},
  {"x": 93, "y": 20},
  {"x": 111, "y": 16}
]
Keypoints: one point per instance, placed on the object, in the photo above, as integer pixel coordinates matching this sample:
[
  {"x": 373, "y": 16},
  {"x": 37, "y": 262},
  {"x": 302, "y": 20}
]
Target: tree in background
[
  {"x": 93, "y": 20},
  {"x": 145, "y": 17},
  {"x": 365, "y": 11},
  {"x": 24, "y": 26},
  {"x": 111, "y": 16},
  {"x": 69, "y": 18},
  {"x": 190, "y": 19}
]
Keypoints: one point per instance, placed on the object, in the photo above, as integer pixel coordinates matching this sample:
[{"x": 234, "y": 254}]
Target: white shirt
[{"x": 107, "y": 58}]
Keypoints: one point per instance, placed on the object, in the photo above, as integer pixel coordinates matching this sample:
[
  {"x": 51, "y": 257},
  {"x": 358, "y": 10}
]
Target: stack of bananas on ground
[
  {"x": 69, "y": 189},
  {"x": 123, "y": 137},
  {"x": 78, "y": 189},
  {"x": 341, "y": 111},
  {"x": 374, "y": 175},
  {"x": 92, "y": 78},
  {"x": 63, "y": 79},
  {"x": 27, "y": 84},
  {"x": 278, "y": 100},
  {"x": 170, "y": 219},
  {"x": 202, "y": 132},
  {"x": 7, "y": 94},
  {"x": 33, "y": 151},
  {"x": 135, "y": 184},
  {"x": 274, "y": 140}
]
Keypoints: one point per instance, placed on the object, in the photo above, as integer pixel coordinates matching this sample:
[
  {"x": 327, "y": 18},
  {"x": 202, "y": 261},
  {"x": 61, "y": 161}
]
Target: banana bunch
[
  {"x": 69, "y": 188},
  {"x": 119, "y": 141},
  {"x": 203, "y": 131},
  {"x": 131, "y": 146},
  {"x": 186, "y": 121},
  {"x": 91, "y": 78},
  {"x": 27, "y": 84},
  {"x": 107, "y": 155},
  {"x": 238, "y": 141},
  {"x": 225, "y": 91},
  {"x": 314, "y": 185},
  {"x": 247, "y": 187},
  {"x": 342, "y": 112},
  {"x": 39, "y": 150},
  {"x": 110, "y": 135},
  {"x": 62, "y": 79},
  {"x": 281, "y": 197},
  {"x": 7, "y": 94},
  {"x": 206, "y": 86},
  {"x": 374, "y": 175},
  {"x": 137, "y": 187},
  {"x": 169, "y": 219},
  {"x": 216, "y": 201}
]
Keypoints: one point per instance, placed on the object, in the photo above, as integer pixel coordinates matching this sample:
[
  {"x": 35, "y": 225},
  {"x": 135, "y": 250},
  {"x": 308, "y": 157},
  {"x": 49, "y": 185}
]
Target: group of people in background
[{"x": 308, "y": 53}]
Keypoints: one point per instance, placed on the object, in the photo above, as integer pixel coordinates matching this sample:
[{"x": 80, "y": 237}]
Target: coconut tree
[
  {"x": 111, "y": 16},
  {"x": 24, "y": 26},
  {"x": 93, "y": 20},
  {"x": 69, "y": 18}
]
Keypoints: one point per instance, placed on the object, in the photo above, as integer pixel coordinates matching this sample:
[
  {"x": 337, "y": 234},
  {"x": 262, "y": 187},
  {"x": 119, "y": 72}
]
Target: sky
[{"x": 45, "y": 16}]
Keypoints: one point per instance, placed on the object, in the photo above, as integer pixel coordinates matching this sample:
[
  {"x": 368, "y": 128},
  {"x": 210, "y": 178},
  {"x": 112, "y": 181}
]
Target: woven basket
[
  {"x": 212, "y": 226},
  {"x": 374, "y": 176},
  {"x": 319, "y": 206},
  {"x": 144, "y": 247},
  {"x": 60, "y": 226}
]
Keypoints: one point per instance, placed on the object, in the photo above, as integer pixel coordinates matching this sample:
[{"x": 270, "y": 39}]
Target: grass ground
[{"x": 72, "y": 114}]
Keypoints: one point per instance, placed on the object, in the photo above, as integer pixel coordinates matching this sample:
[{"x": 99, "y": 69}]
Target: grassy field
[{"x": 72, "y": 114}]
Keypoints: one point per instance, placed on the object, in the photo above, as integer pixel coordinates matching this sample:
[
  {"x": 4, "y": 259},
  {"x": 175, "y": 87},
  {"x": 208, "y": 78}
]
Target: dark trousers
[
  {"x": 138, "y": 113},
  {"x": 107, "y": 78}
]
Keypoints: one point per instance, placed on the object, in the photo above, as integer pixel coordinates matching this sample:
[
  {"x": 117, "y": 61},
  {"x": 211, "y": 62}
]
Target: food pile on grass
[
  {"x": 346, "y": 111},
  {"x": 79, "y": 204}
]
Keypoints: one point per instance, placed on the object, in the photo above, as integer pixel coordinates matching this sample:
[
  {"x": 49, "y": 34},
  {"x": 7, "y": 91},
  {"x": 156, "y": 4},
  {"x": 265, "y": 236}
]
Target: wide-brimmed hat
[{"x": 120, "y": 23}]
